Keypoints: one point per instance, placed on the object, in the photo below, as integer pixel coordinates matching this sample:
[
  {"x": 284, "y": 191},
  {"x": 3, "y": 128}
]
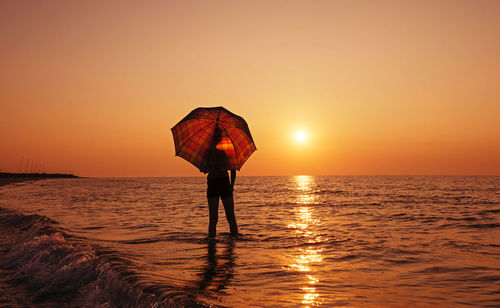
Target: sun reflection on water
[{"x": 304, "y": 258}]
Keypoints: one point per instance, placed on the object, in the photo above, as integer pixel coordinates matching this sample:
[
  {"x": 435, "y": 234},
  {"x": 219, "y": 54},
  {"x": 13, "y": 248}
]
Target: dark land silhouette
[{"x": 10, "y": 177}]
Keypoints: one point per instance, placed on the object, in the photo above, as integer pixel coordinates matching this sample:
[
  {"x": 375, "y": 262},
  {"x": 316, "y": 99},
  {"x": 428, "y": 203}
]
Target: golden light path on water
[{"x": 304, "y": 258}]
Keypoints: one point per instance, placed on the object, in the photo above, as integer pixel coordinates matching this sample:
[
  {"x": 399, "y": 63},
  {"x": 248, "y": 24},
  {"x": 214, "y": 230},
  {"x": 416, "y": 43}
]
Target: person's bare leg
[
  {"x": 213, "y": 208},
  {"x": 228, "y": 203}
]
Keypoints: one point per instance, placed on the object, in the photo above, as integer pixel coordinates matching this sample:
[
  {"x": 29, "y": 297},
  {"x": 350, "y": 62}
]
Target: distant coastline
[
  {"x": 7, "y": 175},
  {"x": 9, "y": 178}
]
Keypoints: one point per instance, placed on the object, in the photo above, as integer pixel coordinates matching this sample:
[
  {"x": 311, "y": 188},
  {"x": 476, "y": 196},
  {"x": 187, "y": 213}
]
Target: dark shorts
[{"x": 219, "y": 187}]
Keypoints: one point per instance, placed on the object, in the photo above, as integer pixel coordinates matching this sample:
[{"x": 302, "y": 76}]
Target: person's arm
[{"x": 233, "y": 177}]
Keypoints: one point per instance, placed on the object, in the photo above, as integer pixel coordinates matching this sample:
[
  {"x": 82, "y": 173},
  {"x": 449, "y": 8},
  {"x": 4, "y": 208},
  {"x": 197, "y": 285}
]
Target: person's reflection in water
[{"x": 218, "y": 271}]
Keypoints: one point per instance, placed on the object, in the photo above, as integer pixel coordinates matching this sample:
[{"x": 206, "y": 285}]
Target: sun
[{"x": 300, "y": 136}]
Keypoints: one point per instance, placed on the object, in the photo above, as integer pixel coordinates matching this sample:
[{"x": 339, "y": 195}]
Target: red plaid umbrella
[{"x": 206, "y": 133}]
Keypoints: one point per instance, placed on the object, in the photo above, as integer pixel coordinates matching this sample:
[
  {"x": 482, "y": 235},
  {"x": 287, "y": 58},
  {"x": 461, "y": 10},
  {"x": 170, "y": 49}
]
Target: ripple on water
[{"x": 306, "y": 241}]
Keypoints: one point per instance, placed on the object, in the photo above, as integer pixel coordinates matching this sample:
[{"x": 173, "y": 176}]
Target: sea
[{"x": 306, "y": 241}]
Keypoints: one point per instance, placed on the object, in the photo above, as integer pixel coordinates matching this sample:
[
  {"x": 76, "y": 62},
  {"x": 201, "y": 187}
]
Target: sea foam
[{"x": 54, "y": 270}]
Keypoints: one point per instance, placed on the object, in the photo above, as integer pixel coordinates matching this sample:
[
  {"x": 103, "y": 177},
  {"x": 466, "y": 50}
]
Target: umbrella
[{"x": 206, "y": 132}]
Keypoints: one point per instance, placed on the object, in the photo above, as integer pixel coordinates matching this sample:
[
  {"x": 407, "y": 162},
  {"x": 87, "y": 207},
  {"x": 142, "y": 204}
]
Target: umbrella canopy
[{"x": 213, "y": 138}]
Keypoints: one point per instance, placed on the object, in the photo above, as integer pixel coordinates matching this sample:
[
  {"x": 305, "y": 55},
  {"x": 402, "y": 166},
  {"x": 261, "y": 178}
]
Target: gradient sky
[{"x": 378, "y": 87}]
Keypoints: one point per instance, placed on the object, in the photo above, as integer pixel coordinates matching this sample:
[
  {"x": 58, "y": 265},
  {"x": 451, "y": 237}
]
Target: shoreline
[{"x": 37, "y": 175}]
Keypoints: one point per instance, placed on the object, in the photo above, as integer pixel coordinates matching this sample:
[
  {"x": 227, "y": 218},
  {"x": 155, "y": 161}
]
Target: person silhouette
[{"x": 219, "y": 186}]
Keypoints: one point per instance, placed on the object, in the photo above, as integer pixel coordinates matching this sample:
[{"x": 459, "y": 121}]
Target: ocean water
[{"x": 307, "y": 241}]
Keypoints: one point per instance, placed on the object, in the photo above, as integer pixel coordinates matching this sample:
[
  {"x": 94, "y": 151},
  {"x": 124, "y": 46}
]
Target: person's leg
[
  {"x": 213, "y": 208},
  {"x": 228, "y": 203}
]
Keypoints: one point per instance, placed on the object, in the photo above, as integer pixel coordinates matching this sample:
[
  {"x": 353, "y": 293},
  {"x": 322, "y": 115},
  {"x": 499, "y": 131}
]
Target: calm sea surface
[{"x": 306, "y": 241}]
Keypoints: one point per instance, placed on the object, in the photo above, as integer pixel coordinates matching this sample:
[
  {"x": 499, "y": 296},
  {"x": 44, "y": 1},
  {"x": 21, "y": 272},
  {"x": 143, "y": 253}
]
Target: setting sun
[{"x": 300, "y": 136}]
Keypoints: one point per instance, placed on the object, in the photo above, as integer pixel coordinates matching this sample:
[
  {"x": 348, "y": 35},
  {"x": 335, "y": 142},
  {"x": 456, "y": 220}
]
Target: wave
[{"x": 41, "y": 258}]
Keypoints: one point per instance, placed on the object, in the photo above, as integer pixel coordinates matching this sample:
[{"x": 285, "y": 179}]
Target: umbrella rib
[
  {"x": 206, "y": 111},
  {"x": 245, "y": 129},
  {"x": 227, "y": 123},
  {"x": 182, "y": 147},
  {"x": 201, "y": 118},
  {"x": 196, "y": 118},
  {"x": 230, "y": 124},
  {"x": 235, "y": 152},
  {"x": 193, "y": 118}
]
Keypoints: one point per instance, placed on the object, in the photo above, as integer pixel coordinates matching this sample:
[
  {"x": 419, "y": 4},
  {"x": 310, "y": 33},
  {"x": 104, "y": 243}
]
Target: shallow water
[{"x": 306, "y": 241}]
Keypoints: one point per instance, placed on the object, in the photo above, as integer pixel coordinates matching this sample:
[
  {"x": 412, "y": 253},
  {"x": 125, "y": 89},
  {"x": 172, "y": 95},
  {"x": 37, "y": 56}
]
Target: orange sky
[{"x": 379, "y": 87}]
